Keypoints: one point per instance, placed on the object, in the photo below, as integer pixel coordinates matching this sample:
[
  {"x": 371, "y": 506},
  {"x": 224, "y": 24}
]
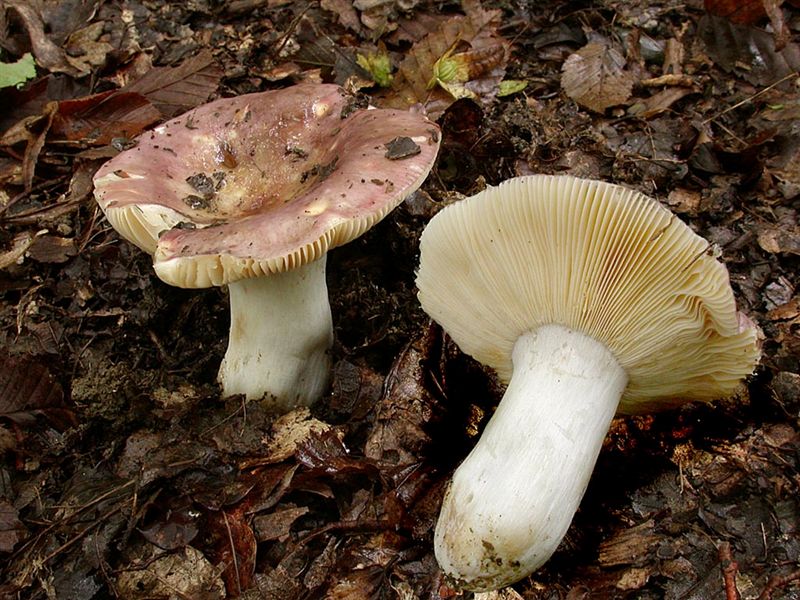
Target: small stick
[
  {"x": 778, "y": 581},
  {"x": 751, "y": 98},
  {"x": 729, "y": 569}
]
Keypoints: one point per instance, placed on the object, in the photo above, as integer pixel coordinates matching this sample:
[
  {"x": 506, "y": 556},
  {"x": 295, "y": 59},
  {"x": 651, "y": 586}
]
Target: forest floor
[{"x": 125, "y": 474}]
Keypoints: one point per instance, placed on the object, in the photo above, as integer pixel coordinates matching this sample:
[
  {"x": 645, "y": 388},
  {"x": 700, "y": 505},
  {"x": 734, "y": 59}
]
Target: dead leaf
[
  {"x": 404, "y": 411},
  {"x": 595, "y": 77},
  {"x": 288, "y": 432},
  {"x": 326, "y": 453},
  {"x": 52, "y": 249},
  {"x": 684, "y": 201},
  {"x": 375, "y": 14},
  {"x": 19, "y": 246},
  {"x": 660, "y": 102},
  {"x": 48, "y": 55},
  {"x": 182, "y": 574},
  {"x": 750, "y": 12},
  {"x": 344, "y": 11},
  {"x": 12, "y": 531},
  {"x": 744, "y": 12},
  {"x": 632, "y": 546},
  {"x": 87, "y": 50},
  {"x": 477, "y": 32},
  {"x": 100, "y": 118},
  {"x": 174, "y": 90},
  {"x": 458, "y": 73},
  {"x": 38, "y": 134},
  {"x": 234, "y": 548},
  {"x": 29, "y": 391},
  {"x": 277, "y": 525},
  {"x": 176, "y": 528},
  {"x": 748, "y": 51}
]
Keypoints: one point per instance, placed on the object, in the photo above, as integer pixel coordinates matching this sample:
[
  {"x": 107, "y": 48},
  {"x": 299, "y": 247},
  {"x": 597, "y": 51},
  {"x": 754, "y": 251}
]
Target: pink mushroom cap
[{"x": 262, "y": 183}]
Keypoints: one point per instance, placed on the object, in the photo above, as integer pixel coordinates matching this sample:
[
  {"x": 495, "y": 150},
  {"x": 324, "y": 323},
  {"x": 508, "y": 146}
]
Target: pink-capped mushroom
[{"x": 251, "y": 192}]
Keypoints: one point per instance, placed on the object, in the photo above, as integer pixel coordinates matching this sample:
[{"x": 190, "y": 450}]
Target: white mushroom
[{"x": 589, "y": 299}]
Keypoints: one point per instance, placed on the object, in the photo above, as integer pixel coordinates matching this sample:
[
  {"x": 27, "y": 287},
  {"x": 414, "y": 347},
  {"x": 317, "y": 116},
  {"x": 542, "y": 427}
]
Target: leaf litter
[{"x": 126, "y": 475}]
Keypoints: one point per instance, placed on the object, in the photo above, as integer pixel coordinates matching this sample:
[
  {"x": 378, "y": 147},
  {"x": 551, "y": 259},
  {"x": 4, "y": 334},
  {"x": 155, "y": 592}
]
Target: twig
[
  {"x": 233, "y": 554},
  {"x": 753, "y": 97},
  {"x": 80, "y": 535},
  {"x": 729, "y": 569},
  {"x": 778, "y": 581}
]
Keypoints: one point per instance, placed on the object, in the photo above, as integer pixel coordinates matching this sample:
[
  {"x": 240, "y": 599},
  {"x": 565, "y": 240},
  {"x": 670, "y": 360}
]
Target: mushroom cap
[
  {"x": 598, "y": 258},
  {"x": 262, "y": 183}
]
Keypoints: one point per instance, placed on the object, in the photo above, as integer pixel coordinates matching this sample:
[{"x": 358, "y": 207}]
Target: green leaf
[
  {"x": 378, "y": 65},
  {"x": 511, "y": 86},
  {"x": 17, "y": 73},
  {"x": 450, "y": 69}
]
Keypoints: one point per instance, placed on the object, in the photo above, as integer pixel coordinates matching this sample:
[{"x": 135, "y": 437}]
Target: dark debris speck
[{"x": 401, "y": 147}]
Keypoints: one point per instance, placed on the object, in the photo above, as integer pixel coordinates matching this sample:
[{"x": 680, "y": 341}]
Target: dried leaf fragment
[
  {"x": 12, "y": 531},
  {"x": 452, "y": 71},
  {"x": 183, "y": 574},
  {"x": 595, "y": 77}
]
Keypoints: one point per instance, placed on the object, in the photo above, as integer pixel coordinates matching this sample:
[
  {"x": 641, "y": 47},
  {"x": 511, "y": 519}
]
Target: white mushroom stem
[
  {"x": 513, "y": 498},
  {"x": 281, "y": 331}
]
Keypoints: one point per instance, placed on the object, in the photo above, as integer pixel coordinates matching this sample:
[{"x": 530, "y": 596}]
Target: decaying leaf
[
  {"x": 454, "y": 71},
  {"x": 234, "y": 548},
  {"x": 18, "y": 247},
  {"x": 12, "y": 531},
  {"x": 595, "y": 77},
  {"x": 173, "y": 90},
  {"x": 28, "y": 391},
  {"x": 182, "y": 574},
  {"x": 750, "y": 12},
  {"x": 289, "y": 431},
  {"x": 744, "y": 12},
  {"x": 48, "y": 55},
  {"x": 405, "y": 409},
  {"x": 475, "y": 70},
  {"x": 276, "y": 525},
  {"x": 748, "y": 51}
]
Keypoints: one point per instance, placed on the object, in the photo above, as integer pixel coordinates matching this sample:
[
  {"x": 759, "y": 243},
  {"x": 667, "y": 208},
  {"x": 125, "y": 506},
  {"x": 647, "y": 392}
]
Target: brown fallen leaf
[
  {"x": 660, "y": 102},
  {"x": 28, "y": 391},
  {"x": 344, "y": 11},
  {"x": 87, "y": 50},
  {"x": 100, "y": 118},
  {"x": 182, "y": 574},
  {"x": 288, "y": 432},
  {"x": 406, "y": 408},
  {"x": 48, "y": 55},
  {"x": 176, "y": 528},
  {"x": 476, "y": 33},
  {"x": 748, "y": 51},
  {"x": 52, "y": 249},
  {"x": 174, "y": 90},
  {"x": 276, "y": 525},
  {"x": 12, "y": 531},
  {"x": 738, "y": 11},
  {"x": 325, "y": 453},
  {"x": 750, "y": 12},
  {"x": 19, "y": 246},
  {"x": 233, "y": 544},
  {"x": 595, "y": 77}
]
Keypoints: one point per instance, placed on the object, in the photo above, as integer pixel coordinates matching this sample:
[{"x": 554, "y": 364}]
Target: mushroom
[
  {"x": 588, "y": 299},
  {"x": 251, "y": 192}
]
